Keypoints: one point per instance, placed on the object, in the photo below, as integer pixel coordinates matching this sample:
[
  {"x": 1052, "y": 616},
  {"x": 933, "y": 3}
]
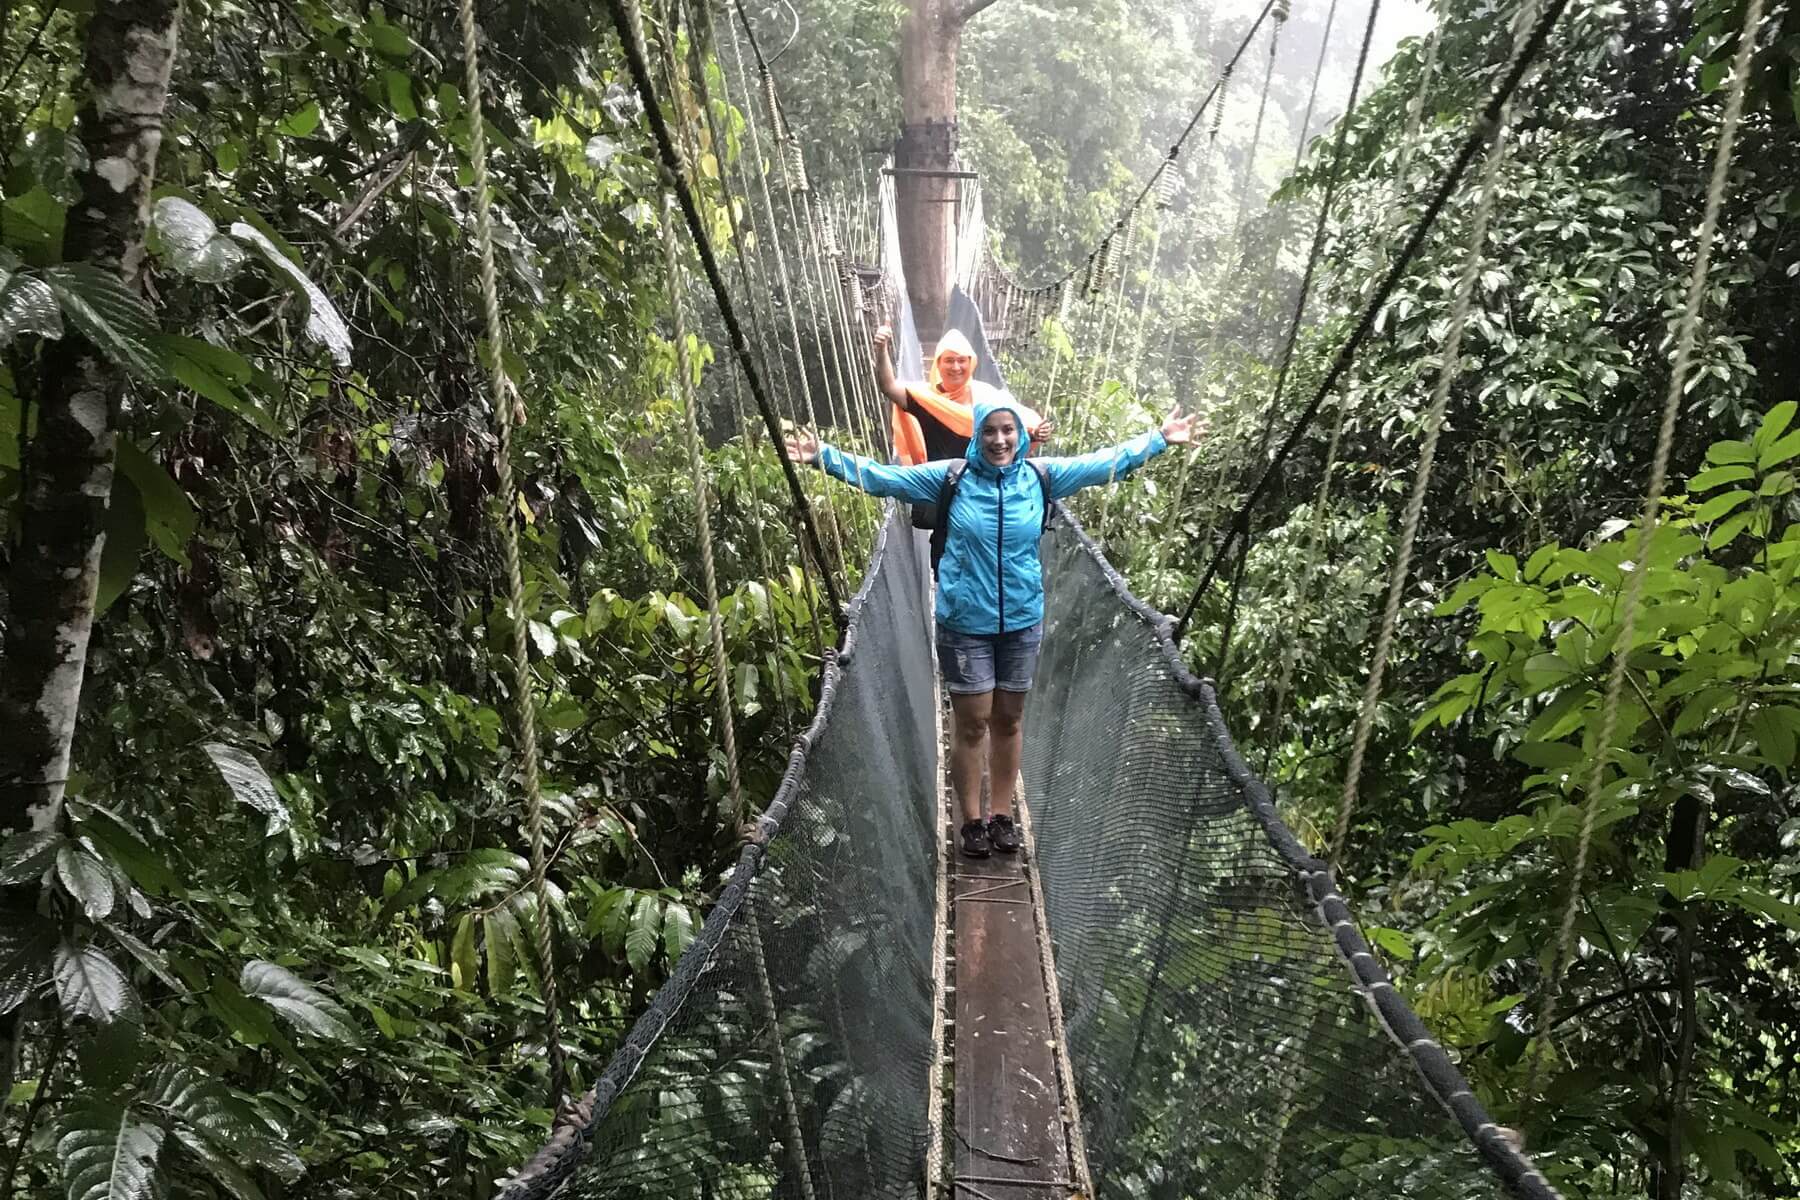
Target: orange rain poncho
[{"x": 953, "y": 409}]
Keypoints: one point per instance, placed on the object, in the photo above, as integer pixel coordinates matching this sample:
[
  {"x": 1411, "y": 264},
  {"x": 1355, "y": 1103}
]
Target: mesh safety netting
[
  {"x": 1228, "y": 1030},
  {"x": 823, "y": 934}
]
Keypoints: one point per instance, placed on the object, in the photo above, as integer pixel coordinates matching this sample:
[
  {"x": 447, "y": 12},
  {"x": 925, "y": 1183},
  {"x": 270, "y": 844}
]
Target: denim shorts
[{"x": 973, "y": 663}]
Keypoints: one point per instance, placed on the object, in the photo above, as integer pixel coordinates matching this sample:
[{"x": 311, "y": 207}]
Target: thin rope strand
[
  {"x": 1634, "y": 585},
  {"x": 1449, "y": 370},
  {"x": 523, "y": 699}
]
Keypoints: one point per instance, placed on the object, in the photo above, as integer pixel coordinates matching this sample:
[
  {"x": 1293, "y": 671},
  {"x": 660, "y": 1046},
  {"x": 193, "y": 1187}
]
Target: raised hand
[
  {"x": 1040, "y": 437},
  {"x": 801, "y": 446},
  {"x": 1179, "y": 429},
  {"x": 884, "y": 337}
]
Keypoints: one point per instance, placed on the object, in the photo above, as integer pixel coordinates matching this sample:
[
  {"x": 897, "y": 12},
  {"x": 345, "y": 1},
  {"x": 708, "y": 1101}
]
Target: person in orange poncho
[{"x": 935, "y": 420}]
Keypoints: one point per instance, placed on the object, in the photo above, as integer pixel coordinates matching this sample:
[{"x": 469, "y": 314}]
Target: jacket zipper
[{"x": 1000, "y": 548}]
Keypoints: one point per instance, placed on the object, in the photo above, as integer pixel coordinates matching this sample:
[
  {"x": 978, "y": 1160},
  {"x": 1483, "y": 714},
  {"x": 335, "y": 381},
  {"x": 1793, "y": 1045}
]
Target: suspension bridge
[{"x": 1167, "y": 994}]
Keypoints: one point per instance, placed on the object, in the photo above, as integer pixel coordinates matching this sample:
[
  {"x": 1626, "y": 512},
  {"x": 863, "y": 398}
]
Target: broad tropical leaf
[
  {"x": 87, "y": 879},
  {"x": 309, "y": 1009},
  {"x": 25, "y": 943},
  {"x": 25, "y": 856},
  {"x": 107, "y": 1154},
  {"x": 110, "y": 315},
  {"x": 646, "y": 926},
  {"x": 27, "y": 305},
  {"x": 323, "y": 323},
  {"x": 90, "y": 984},
  {"x": 192, "y": 244},
  {"x": 249, "y": 783}
]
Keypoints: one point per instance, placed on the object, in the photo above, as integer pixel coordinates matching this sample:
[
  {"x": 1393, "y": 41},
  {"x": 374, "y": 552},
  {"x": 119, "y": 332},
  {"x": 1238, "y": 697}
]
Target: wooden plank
[{"x": 1010, "y": 1142}]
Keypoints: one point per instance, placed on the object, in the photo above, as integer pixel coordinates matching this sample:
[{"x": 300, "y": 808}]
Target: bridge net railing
[
  {"x": 1228, "y": 1030},
  {"x": 800, "y": 1017}
]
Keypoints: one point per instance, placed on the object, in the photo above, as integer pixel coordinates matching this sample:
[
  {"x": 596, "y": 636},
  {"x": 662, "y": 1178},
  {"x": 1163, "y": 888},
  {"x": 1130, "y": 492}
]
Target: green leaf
[
  {"x": 678, "y": 929},
  {"x": 219, "y": 1164},
  {"x": 249, "y": 1021},
  {"x": 1394, "y": 943},
  {"x": 1719, "y": 505},
  {"x": 389, "y": 40},
  {"x": 1714, "y": 477},
  {"x": 169, "y": 515},
  {"x": 1503, "y": 565},
  {"x": 152, "y": 960},
  {"x": 250, "y": 784},
  {"x": 309, "y": 1009},
  {"x": 1773, "y": 729},
  {"x": 502, "y": 934},
  {"x": 646, "y": 924},
  {"x": 107, "y": 1155},
  {"x": 123, "y": 846},
  {"x": 86, "y": 879},
  {"x": 323, "y": 322},
  {"x": 192, "y": 243},
  {"x": 192, "y": 363},
  {"x": 124, "y": 545},
  {"x": 25, "y": 856},
  {"x": 27, "y": 306},
  {"x": 463, "y": 966},
  {"x": 1779, "y": 452},
  {"x": 1774, "y": 424},
  {"x": 399, "y": 93},
  {"x": 89, "y": 984},
  {"x": 302, "y": 121},
  {"x": 110, "y": 315},
  {"x": 1730, "y": 452},
  {"x": 201, "y": 1107},
  {"x": 1549, "y": 755},
  {"x": 26, "y": 940}
]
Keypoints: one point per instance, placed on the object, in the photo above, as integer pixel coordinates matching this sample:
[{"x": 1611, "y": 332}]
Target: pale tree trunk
[
  {"x": 930, "y": 38},
  {"x": 55, "y": 571}
]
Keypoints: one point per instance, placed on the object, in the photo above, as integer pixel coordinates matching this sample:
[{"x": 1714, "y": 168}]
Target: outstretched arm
[
  {"x": 920, "y": 484},
  {"x": 1070, "y": 475},
  {"x": 890, "y": 387}
]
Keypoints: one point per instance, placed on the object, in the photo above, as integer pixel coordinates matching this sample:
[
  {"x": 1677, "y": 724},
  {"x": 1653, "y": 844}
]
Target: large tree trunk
[
  {"x": 927, "y": 206},
  {"x": 929, "y": 40},
  {"x": 130, "y": 49}
]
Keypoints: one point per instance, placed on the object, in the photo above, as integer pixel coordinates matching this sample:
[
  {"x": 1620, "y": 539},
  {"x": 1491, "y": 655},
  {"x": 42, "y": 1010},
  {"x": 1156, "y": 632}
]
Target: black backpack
[{"x": 940, "y": 526}]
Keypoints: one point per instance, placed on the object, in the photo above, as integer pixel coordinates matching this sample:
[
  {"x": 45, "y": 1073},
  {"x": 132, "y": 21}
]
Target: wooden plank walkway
[{"x": 1011, "y": 1120}]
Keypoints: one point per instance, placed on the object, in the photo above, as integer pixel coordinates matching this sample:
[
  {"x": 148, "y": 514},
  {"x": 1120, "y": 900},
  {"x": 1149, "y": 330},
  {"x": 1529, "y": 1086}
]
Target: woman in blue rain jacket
[{"x": 990, "y": 594}]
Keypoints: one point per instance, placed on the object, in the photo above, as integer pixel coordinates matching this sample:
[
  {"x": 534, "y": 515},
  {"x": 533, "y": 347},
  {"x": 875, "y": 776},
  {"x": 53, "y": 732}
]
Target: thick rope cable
[
  {"x": 625, "y": 24},
  {"x": 1449, "y": 371},
  {"x": 523, "y": 698},
  {"x": 721, "y": 665},
  {"x": 1346, "y": 355},
  {"x": 1685, "y": 336}
]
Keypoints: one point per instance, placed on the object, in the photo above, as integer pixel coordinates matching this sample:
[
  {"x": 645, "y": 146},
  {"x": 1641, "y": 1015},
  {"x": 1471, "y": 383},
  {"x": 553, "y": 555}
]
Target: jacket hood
[{"x": 984, "y": 408}]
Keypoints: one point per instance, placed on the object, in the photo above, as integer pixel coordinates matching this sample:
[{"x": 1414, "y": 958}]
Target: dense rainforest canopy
[{"x": 267, "y": 927}]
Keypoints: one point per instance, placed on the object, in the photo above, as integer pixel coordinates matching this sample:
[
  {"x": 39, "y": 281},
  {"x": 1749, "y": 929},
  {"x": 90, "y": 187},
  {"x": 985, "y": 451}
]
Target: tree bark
[
  {"x": 1685, "y": 849},
  {"x": 926, "y": 207},
  {"x": 129, "y": 50}
]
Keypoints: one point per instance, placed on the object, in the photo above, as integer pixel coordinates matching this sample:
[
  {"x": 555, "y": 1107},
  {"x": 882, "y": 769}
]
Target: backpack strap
[
  {"x": 1051, "y": 507},
  {"x": 940, "y": 526}
]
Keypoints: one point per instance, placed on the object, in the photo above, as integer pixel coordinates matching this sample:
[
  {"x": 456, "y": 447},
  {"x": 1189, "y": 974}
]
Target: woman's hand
[
  {"x": 883, "y": 338},
  {"x": 1179, "y": 429},
  {"x": 1040, "y": 437},
  {"x": 801, "y": 446}
]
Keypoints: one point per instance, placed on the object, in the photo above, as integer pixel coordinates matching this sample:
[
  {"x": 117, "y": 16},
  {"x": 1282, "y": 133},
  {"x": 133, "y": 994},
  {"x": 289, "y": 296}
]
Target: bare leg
[
  {"x": 968, "y": 746},
  {"x": 1005, "y": 742}
]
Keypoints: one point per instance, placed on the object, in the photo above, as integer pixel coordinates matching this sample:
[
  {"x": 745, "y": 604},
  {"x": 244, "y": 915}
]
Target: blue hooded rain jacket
[{"x": 991, "y": 579}]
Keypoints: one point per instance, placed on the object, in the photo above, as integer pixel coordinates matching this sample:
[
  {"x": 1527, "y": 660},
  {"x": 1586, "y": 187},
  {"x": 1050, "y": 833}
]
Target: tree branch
[{"x": 971, "y": 9}]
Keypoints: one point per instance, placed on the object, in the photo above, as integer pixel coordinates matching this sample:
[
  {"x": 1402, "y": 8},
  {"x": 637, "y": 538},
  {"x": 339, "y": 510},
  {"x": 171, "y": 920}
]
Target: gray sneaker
[{"x": 1003, "y": 834}]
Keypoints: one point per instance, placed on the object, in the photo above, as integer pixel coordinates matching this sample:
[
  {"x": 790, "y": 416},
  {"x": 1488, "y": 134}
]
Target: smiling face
[
  {"x": 999, "y": 438},
  {"x": 953, "y": 370}
]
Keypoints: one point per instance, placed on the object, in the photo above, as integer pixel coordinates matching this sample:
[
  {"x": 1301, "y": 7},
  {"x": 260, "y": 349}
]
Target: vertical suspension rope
[
  {"x": 721, "y": 664},
  {"x": 1634, "y": 585},
  {"x": 1449, "y": 371},
  {"x": 522, "y": 700}
]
